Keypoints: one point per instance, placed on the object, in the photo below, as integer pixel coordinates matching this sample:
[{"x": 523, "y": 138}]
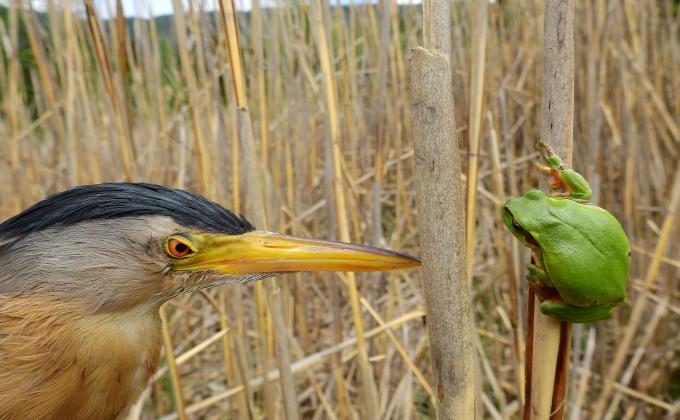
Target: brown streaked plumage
[
  {"x": 83, "y": 274},
  {"x": 59, "y": 363}
]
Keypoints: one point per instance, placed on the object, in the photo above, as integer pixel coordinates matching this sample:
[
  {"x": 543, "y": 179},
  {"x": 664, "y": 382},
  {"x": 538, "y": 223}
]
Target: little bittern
[{"x": 84, "y": 272}]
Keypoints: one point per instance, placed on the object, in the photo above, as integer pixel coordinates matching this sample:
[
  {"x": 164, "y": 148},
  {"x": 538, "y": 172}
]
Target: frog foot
[
  {"x": 543, "y": 291},
  {"x": 556, "y": 308},
  {"x": 537, "y": 273}
]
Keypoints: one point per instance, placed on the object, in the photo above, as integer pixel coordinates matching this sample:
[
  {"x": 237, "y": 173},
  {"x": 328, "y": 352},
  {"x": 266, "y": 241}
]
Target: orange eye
[{"x": 178, "y": 249}]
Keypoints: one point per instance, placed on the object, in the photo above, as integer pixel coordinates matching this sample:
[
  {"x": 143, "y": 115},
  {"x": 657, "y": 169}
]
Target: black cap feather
[{"x": 118, "y": 200}]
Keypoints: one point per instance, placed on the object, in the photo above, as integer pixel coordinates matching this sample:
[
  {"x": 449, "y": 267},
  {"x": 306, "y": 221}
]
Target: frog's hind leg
[{"x": 557, "y": 308}]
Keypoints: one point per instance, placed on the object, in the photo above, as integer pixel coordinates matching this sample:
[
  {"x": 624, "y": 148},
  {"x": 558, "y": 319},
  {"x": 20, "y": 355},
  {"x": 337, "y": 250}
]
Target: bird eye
[{"x": 178, "y": 247}]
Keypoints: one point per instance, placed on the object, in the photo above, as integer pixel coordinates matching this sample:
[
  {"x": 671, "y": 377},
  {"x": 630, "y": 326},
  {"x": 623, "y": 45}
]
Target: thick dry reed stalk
[
  {"x": 441, "y": 218},
  {"x": 440, "y": 223},
  {"x": 551, "y": 338}
]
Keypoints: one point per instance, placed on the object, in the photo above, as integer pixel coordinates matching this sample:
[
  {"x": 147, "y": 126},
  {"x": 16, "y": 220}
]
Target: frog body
[{"x": 580, "y": 250}]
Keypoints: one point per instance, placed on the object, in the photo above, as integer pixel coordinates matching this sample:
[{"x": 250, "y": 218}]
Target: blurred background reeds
[{"x": 89, "y": 96}]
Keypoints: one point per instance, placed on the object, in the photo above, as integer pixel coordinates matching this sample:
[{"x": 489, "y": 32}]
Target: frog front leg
[
  {"x": 555, "y": 307},
  {"x": 567, "y": 181}
]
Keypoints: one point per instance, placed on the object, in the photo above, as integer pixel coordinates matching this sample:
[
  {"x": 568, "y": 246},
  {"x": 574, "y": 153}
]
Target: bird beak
[{"x": 266, "y": 252}]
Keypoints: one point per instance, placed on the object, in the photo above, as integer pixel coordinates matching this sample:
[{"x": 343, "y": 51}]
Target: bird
[{"x": 84, "y": 272}]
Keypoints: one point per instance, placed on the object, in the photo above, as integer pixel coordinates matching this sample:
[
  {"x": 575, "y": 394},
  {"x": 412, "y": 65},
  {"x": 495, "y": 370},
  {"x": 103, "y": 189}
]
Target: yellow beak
[{"x": 266, "y": 252}]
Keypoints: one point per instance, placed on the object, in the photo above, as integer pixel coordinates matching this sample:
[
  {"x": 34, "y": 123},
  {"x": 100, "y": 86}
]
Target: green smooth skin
[
  {"x": 576, "y": 184},
  {"x": 582, "y": 249},
  {"x": 577, "y": 314}
]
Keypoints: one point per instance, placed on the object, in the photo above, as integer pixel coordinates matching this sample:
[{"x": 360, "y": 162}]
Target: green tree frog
[{"x": 580, "y": 253}]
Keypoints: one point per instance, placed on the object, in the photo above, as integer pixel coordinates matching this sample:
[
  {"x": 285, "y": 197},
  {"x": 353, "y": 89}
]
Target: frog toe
[{"x": 538, "y": 273}]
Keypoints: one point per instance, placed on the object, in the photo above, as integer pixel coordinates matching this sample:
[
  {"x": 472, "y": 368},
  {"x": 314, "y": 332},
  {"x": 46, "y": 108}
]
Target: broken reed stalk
[
  {"x": 368, "y": 389},
  {"x": 441, "y": 218},
  {"x": 254, "y": 173},
  {"x": 551, "y": 338}
]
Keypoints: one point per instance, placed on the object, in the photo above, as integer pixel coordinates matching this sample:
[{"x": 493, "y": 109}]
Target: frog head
[{"x": 518, "y": 215}]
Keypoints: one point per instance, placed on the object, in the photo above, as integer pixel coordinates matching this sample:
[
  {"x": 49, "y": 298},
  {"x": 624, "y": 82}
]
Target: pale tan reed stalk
[
  {"x": 441, "y": 218},
  {"x": 551, "y": 338}
]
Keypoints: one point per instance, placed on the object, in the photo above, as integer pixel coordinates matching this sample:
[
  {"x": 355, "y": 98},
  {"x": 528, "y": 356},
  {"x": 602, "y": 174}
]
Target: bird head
[{"x": 115, "y": 246}]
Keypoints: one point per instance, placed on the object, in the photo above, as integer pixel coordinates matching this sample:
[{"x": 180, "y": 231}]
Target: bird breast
[{"x": 59, "y": 362}]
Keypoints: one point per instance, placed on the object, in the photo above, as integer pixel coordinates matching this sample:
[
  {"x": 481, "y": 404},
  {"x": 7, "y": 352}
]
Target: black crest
[{"x": 117, "y": 200}]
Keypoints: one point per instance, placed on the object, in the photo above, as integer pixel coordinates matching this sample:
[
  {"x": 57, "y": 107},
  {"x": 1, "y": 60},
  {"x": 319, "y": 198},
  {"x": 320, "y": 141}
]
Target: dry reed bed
[{"x": 93, "y": 103}]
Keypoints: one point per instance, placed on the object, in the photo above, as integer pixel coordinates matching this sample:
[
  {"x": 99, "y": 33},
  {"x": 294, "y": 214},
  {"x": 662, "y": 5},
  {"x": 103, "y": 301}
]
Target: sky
[
  {"x": 164, "y": 7},
  {"x": 147, "y": 8}
]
